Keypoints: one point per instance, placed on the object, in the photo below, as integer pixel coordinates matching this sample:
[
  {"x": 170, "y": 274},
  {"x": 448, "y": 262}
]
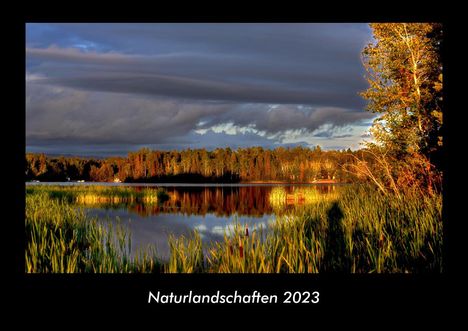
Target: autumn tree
[
  {"x": 404, "y": 72},
  {"x": 244, "y": 164},
  {"x": 42, "y": 164}
]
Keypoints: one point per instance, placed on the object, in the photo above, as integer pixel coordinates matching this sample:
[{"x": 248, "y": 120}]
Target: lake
[{"x": 209, "y": 208}]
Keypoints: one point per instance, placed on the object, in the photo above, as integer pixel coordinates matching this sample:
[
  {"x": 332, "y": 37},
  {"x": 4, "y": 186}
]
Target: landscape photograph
[{"x": 234, "y": 148}]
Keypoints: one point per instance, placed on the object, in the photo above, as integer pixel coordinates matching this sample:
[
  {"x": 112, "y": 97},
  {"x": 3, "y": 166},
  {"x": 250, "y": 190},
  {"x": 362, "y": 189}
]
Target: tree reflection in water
[{"x": 224, "y": 201}]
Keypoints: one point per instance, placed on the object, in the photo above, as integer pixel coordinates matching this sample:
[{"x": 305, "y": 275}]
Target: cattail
[
  {"x": 246, "y": 231},
  {"x": 230, "y": 248},
  {"x": 241, "y": 249},
  {"x": 381, "y": 240}
]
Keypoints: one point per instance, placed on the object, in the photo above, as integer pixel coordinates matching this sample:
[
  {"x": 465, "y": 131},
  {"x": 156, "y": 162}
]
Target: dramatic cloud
[
  {"x": 203, "y": 77},
  {"x": 193, "y": 85},
  {"x": 59, "y": 115},
  {"x": 281, "y": 118}
]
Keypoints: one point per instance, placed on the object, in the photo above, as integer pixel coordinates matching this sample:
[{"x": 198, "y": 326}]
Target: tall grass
[
  {"x": 62, "y": 239},
  {"x": 361, "y": 232},
  {"x": 186, "y": 254},
  {"x": 358, "y": 230}
]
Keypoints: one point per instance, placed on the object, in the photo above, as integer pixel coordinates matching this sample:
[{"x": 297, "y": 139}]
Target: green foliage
[
  {"x": 404, "y": 71},
  {"x": 62, "y": 239},
  {"x": 162, "y": 195}
]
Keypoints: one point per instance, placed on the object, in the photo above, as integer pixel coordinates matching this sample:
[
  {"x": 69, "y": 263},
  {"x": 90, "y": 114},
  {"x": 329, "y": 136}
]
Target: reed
[
  {"x": 355, "y": 230},
  {"x": 186, "y": 254},
  {"x": 361, "y": 232},
  {"x": 62, "y": 239}
]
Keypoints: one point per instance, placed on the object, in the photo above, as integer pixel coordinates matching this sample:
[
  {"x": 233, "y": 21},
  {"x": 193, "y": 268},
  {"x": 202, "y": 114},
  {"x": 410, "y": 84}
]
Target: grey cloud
[
  {"x": 329, "y": 134},
  {"x": 267, "y": 39},
  {"x": 337, "y": 147},
  {"x": 129, "y": 85},
  {"x": 195, "y": 76},
  {"x": 56, "y": 115},
  {"x": 343, "y": 136},
  {"x": 282, "y": 63},
  {"x": 72, "y": 55},
  {"x": 286, "y": 117}
]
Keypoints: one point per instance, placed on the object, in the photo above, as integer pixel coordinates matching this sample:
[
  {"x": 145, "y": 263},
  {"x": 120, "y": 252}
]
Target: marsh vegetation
[{"x": 351, "y": 229}]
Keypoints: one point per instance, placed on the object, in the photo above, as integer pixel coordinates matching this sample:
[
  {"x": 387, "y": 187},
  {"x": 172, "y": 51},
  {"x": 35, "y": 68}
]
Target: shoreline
[
  {"x": 74, "y": 183},
  {"x": 324, "y": 181}
]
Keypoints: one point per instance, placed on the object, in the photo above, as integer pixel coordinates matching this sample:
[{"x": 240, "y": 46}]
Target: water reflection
[
  {"x": 253, "y": 201},
  {"x": 208, "y": 209}
]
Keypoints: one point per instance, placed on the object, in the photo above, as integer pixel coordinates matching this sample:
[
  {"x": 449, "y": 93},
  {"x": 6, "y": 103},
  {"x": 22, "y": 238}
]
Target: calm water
[{"x": 211, "y": 209}]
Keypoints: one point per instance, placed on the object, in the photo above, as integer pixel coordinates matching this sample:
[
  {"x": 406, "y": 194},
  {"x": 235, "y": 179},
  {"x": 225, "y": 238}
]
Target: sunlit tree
[{"x": 404, "y": 71}]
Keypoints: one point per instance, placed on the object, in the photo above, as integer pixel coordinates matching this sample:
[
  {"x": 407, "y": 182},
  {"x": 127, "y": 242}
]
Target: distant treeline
[{"x": 296, "y": 164}]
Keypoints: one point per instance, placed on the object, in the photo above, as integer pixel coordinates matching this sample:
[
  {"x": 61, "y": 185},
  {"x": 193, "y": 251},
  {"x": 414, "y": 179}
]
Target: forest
[{"x": 253, "y": 164}]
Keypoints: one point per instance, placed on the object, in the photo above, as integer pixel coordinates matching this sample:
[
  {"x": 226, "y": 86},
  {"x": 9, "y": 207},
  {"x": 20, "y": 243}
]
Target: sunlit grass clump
[
  {"x": 92, "y": 194},
  {"x": 279, "y": 196}
]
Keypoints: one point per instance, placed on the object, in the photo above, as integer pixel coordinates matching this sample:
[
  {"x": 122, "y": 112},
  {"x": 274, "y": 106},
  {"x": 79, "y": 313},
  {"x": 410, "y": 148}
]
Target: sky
[{"x": 107, "y": 89}]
